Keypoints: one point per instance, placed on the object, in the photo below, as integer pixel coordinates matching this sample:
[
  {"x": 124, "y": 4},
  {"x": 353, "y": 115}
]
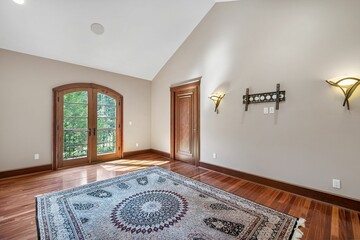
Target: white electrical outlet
[
  {"x": 266, "y": 110},
  {"x": 336, "y": 183},
  {"x": 36, "y": 156},
  {"x": 271, "y": 110},
  {"x": 136, "y": 145},
  {"x": 214, "y": 155}
]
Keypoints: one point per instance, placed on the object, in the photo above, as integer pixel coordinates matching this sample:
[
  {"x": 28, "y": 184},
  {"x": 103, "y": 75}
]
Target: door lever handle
[
  {"x": 94, "y": 132},
  {"x": 89, "y": 132}
]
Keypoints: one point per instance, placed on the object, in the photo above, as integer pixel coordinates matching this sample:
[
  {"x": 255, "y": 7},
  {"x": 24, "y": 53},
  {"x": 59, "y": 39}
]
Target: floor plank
[{"x": 17, "y": 197}]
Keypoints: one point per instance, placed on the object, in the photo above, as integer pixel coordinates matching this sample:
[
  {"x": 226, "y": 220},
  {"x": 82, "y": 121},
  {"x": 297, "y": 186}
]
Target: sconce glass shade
[
  {"x": 347, "y": 86},
  {"x": 216, "y": 98}
]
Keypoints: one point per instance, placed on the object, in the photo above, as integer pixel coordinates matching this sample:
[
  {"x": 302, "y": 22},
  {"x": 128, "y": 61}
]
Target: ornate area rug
[{"x": 157, "y": 204}]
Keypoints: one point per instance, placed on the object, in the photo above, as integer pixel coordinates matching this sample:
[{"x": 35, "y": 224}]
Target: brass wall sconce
[
  {"x": 216, "y": 98},
  {"x": 347, "y": 86}
]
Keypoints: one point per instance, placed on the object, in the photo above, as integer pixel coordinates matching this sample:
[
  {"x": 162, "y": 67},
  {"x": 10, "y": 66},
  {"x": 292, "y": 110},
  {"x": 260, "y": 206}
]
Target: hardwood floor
[{"x": 17, "y": 202}]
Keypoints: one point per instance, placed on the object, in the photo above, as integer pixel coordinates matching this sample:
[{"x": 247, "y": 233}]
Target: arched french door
[{"x": 87, "y": 124}]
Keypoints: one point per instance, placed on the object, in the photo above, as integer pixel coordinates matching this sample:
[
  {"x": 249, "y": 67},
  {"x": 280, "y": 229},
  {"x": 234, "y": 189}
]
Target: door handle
[
  {"x": 89, "y": 132},
  {"x": 94, "y": 132}
]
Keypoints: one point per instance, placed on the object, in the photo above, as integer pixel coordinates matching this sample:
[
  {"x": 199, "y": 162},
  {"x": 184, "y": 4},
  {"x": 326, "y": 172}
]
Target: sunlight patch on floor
[{"x": 126, "y": 165}]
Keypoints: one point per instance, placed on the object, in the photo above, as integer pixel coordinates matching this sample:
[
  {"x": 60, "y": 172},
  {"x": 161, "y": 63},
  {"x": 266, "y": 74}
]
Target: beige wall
[
  {"x": 256, "y": 44},
  {"x": 26, "y": 84}
]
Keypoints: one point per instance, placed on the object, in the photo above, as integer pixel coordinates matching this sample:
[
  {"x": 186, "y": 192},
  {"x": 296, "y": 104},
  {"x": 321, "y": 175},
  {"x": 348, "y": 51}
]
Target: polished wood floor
[{"x": 17, "y": 197}]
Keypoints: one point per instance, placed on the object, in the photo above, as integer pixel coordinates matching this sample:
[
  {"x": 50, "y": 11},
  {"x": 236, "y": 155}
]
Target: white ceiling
[{"x": 140, "y": 35}]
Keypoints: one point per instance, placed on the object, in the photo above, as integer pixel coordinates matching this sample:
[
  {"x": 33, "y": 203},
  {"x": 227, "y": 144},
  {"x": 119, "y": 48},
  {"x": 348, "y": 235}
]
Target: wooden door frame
[
  {"x": 56, "y": 114},
  {"x": 173, "y": 89}
]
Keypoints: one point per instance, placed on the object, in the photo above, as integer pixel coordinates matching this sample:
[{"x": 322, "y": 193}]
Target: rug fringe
[{"x": 298, "y": 234}]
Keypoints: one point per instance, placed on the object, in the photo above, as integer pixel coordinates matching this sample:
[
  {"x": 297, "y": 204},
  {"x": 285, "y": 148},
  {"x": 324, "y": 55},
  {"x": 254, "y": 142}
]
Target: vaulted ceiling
[{"x": 139, "y": 35}]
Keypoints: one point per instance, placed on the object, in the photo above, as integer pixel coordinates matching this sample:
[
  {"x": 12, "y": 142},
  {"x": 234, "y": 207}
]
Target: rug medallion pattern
[{"x": 156, "y": 204}]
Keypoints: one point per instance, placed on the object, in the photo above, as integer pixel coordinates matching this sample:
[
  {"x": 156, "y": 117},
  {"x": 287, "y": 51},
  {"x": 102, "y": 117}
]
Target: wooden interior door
[
  {"x": 87, "y": 126},
  {"x": 185, "y": 123}
]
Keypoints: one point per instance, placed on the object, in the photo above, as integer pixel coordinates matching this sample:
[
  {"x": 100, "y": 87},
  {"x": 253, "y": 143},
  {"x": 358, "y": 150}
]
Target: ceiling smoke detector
[
  {"x": 96, "y": 28},
  {"x": 19, "y": 1}
]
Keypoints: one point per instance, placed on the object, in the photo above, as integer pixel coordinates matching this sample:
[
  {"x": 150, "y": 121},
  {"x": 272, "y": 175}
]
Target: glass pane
[
  {"x": 75, "y": 125},
  {"x": 106, "y": 111},
  {"x": 76, "y": 97},
  {"x": 72, "y": 137},
  {"x": 76, "y": 151},
  {"x": 106, "y": 135},
  {"x": 106, "y": 124},
  {"x": 75, "y": 110},
  {"x": 106, "y": 148},
  {"x": 103, "y": 99}
]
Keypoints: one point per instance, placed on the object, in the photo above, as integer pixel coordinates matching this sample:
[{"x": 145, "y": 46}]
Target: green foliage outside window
[
  {"x": 76, "y": 124},
  {"x": 106, "y": 124}
]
